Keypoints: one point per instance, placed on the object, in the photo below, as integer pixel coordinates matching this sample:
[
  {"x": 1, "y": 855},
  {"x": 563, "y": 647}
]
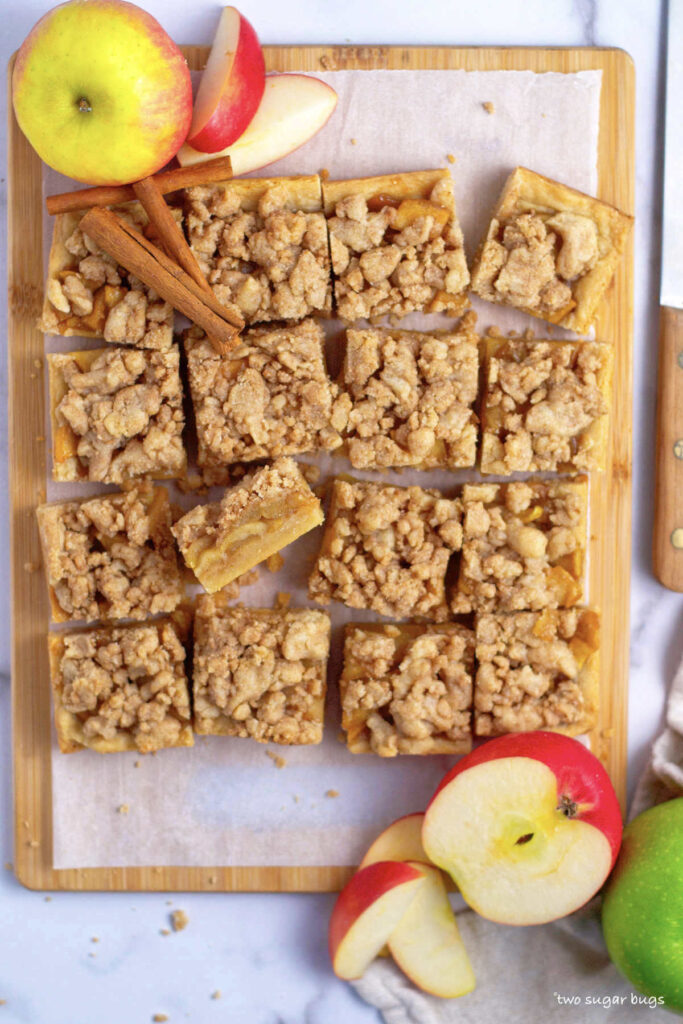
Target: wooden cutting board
[{"x": 610, "y": 514}]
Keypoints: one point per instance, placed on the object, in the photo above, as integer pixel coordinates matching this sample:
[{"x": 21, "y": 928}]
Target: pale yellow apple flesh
[
  {"x": 516, "y": 858},
  {"x": 402, "y": 840},
  {"x": 371, "y": 930},
  {"x": 293, "y": 109},
  {"x": 426, "y": 943}
]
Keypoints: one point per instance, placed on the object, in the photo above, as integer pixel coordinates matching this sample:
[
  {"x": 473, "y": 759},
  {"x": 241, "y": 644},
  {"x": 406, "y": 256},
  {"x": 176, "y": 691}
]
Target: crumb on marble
[
  {"x": 48, "y": 899},
  {"x": 354, "y": 142},
  {"x": 216, "y": 994},
  {"x": 451, "y": 159},
  {"x": 122, "y": 809},
  {"x": 275, "y": 562},
  {"x": 489, "y": 107},
  {"x": 282, "y": 599},
  {"x": 8, "y": 865},
  {"x": 179, "y": 920},
  {"x": 94, "y": 939},
  {"x": 136, "y": 764},
  {"x": 277, "y": 759},
  {"x": 159, "y": 1018},
  {"x": 164, "y": 931},
  {"x": 332, "y": 793}
]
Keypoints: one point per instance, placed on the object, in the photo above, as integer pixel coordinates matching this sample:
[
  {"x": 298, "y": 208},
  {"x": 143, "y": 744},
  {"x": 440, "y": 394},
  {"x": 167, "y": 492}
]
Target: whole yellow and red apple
[
  {"x": 102, "y": 93},
  {"x": 528, "y": 826}
]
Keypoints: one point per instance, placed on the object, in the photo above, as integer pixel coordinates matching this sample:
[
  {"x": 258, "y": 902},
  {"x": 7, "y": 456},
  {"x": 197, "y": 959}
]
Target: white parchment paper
[{"x": 225, "y": 802}]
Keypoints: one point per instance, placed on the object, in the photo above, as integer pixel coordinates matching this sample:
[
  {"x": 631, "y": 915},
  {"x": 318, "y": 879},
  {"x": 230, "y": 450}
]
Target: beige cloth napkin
[{"x": 559, "y": 971}]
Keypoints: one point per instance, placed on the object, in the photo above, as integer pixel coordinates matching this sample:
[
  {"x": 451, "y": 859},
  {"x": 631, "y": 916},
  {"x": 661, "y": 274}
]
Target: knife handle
[{"x": 667, "y": 550}]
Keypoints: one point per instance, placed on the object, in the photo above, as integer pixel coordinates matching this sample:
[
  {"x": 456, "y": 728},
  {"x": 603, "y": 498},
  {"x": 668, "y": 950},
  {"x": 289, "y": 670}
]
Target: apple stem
[
  {"x": 567, "y": 806},
  {"x": 84, "y": 106}
]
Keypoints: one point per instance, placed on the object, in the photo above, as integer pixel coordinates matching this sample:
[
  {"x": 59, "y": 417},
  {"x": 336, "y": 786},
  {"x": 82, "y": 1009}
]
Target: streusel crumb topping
[
  {"x": 407, "y": 690},
  {"x": 111, "y": 557},
  {"x": 387, "y": 548},
  {"x": 128, "y": 680},
  {"x": 270, "y": 397},
  {"x": 536, "y": 671},
  {"x": 272, "y": 261},
  {"x": 523, "y": 545},
  {"x": 260, "y": 673},
  {"x": 545, "y": 406},
  {"x": 411, "y": 397},
  {"x": 126, "y": 411}
]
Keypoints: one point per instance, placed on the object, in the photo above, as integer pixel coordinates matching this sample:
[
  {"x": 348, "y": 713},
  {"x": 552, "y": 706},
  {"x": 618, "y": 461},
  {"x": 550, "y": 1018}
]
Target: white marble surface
[{"x": 266, "y": 953}]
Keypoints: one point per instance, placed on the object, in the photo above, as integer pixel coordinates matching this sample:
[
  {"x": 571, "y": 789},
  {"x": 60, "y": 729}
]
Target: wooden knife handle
[{"x": 667, "y": 548}]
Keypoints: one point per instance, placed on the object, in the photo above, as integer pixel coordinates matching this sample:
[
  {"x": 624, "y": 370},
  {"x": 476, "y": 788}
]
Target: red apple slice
[
  {"x": 293, "y": 109},
  {"x": 231, "y": 86},
  {"x": 528, "y": 826},
  {"x": 426, "y": 943},
  {"x": 400, "y": 841},
  {"x": 366, "y": 913}
]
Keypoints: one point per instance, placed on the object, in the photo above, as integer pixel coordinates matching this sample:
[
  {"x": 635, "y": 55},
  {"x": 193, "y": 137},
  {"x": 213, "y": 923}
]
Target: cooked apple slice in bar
[
  {"x": 261, "y": 515},
  {"x": 426, "y": 943}
]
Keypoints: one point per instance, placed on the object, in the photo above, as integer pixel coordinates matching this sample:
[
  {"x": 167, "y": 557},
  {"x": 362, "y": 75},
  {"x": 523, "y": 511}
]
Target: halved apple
[
  {"x": 426, "y": 943},
  {"x": 528, "y": 826},
  {"x": 293, "y": 109},
  {"x": 231, "y": 86},
  {"x": 367, "y": 911},
  {"x": 400, "y": 841}
]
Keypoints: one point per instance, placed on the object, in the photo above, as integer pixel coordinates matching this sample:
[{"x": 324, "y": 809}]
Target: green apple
[
  {"x": 102, "y": 93},
  {"x": 642, "y": 913}
]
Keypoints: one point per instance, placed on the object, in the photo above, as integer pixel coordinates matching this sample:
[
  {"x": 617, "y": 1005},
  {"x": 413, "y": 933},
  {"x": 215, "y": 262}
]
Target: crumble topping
[
  {"x": 523, "y": 545},
  {"x": 268, "y": 509},
  {"x": 412, "y": 396},
  {"x": 92, "y": 294},
  {"x": 387, "y": 548},
  {"x": 111, "y": 557},
  {"x": 267, "y": 257},
  {"x": 545, "y": 406},
  {"x": 271, "y": 396},
  {"x": 395, "y": 254},
  {"x": 260, "y": 673},
  {"x": 122, "y": 688},
  {"x": 124, "y": 412},
  {"x": 407, "y": 689},
  {"x": 536, "y": 671},
  {"x": 549, "y": 250}
]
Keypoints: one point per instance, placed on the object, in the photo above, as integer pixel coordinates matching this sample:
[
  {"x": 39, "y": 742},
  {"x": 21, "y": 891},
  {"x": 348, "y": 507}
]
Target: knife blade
[{"x": 667, "y": 546}]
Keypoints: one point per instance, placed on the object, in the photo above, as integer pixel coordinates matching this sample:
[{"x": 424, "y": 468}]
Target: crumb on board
[
  {"x": 122, "y": 809},
  {"x": 277, "y": 759},
  {"x": 328, "y": 62},
  {"x": 275, "y": 562},
  {"x": 489, "y": 107},
  {"x": 33, "y": 843},
  {"x": 212, "y": 879},
  {"x": 31, "y": 566},
  {"x": 332, "y": 793},
  {"x": 450, "y": 158},
  {"x": 179, "y": 920},
  {"x": 607, "y": 734},
  {"x": 38, "y": 363},
  {"x": 25, "y": 823},
  {"x": 282, "y": 599}
]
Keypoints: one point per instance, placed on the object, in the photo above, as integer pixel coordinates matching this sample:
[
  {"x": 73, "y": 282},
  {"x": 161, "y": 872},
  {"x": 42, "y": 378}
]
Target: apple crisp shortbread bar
[
  {"x": 537, "y": 670},
  {"x": 90, "y": 295},
  {"x": 545, "y": 406},
  {"x": 260, "y": 673},
  {"x": 110, "y": 557},
  {"x": 396, "y": 245},
  {"x": 262, "y": 245},
  {"x": 267, "y": 510},
  {"x": 387, "y": 549},
  {"x": 120, "y": 688},
  {"x": 270, "y": 396},
  {"x": 523, "y": 546},
  {"x": 411, "y": 396},
  {"x": 117, "y": 414},
  {"x": 550, "y": 250},
  {"x": 407, "y": 689}
]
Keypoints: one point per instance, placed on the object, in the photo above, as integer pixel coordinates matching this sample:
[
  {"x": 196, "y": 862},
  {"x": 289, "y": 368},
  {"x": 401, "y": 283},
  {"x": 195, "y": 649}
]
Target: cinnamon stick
[
  {"x": 154, "y": 268},
  {"x": 219, "y": 169},
  {"x": 170, "y": 234}
]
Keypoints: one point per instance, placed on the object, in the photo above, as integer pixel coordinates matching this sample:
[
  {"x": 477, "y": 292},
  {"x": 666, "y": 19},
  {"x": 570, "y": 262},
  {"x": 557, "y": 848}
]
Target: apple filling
[
  {"x": 259, "y": 673},
  {"x": 266, "y": 511},
  {"x": 411, "y": 397},
  {"x": 120, "y": 688},
  {"x": 545, "y": 406},
  {"x": 523, "y": 546}
]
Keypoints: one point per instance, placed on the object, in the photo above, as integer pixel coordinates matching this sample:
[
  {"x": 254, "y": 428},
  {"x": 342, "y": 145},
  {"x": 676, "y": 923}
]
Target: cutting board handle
[{"x": 667, "y": 550}]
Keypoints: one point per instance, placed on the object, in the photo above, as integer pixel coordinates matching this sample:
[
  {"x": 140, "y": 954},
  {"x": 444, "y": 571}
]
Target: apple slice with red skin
[
  {"x": 426, "y": 943},
  {"x": 367, "y": 911},
  {"x": 231, "y": 86},
  {"x": 293, "y": 109},
  {"x": 400, "y": 841},
  {"x": 528, "y": 825}
]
